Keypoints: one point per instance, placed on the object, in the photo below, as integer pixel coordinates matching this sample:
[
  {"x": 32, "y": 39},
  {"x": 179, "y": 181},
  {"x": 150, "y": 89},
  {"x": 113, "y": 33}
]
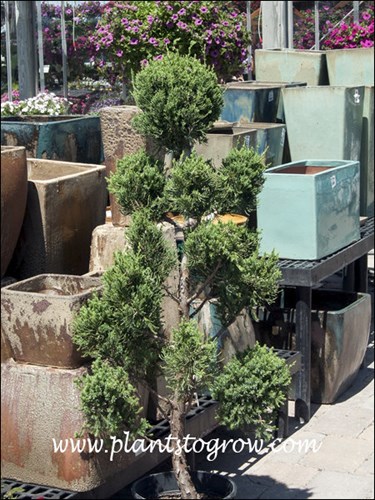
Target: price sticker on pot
[
  {"x": 282, "y": 137},
  {"x": 270, "y": 96},
  {"x": 333, "y": 181}
]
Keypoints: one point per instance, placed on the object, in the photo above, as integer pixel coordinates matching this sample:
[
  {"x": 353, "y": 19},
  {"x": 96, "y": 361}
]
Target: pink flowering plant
[
  {"x": 336, "y": 32},
  {"x": 80, "y": 23},
  {"x": 352, "y": 35},
  {"x": 131, "y": 33}
]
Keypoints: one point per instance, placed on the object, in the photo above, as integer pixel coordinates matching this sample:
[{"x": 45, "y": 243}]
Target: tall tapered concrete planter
[
  {"x": 67, "y": 138},
  {"x": 13, "y": 199},
  {"x": 309, "y": 209},
  {"x": 324, "y": 122},
  {"x": 65, "y": 202},
  {"x": 37, "y": 316},
  {"x": 120, "y": 139},
  {"x": 291, "y": 65}
]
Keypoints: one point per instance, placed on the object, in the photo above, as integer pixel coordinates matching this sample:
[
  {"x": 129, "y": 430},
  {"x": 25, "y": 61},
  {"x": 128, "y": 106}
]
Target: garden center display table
[{"x": 306, "y": 274}]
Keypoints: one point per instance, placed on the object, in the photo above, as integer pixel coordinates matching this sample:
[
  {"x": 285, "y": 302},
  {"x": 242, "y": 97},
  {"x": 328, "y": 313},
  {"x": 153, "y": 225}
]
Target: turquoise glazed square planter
[
  {"x": 251, "y": 102},
  {"x": 309, "y": 209}
]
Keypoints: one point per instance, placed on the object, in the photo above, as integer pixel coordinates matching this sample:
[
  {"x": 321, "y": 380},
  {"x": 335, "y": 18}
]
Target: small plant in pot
[{"x": 123, "y": 330}]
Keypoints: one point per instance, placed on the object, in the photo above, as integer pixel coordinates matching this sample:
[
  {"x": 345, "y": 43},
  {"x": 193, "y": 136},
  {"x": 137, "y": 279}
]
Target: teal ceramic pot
[{"x": 309, "y": 209}]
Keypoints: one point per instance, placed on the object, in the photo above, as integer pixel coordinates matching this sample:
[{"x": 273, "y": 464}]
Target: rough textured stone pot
[
  {"x": 65, "y": 202},
  {"x": 340, "y": 323},
  {"x": 37, "y": 316},
  {"x": 291, "y": 65},
  {"x": 41, "y": 404},
  {"x": 222, "y": 138},
  {"x": 324, "y": 122},
  {"x": 68, "y": 138},
  {"x": 350, "y": 66},
  {"x": 309, "y": 209},
  {"x": 120, "y": 139},
  {"x": 107, "y": 239},
  {"x": 13, "y": 200},
  {"x": 251, "y": 101},
  {"x": 163, "y": 484}
]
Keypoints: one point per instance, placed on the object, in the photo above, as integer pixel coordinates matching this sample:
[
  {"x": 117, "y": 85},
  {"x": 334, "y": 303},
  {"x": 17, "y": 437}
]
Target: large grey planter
[
  {"x": 37, "y": 316},
  {"x": 65, "y": 202},
  {"x": 367, "y": 155},
  {"x": 340, "y": 328},
  {"x": 350, "y": 66},
  {"x": 309, "y": 209},
  {"x": 222, "y": 138},
  {"x": 324, "y": 122},
  {"x": 67, "y": 138},
  {"x": 291, "y": 65}
]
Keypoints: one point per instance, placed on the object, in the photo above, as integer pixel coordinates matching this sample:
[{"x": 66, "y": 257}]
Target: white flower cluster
[
  {"x": 42, "y": 104},
  {"x": 90, "y": 83}
]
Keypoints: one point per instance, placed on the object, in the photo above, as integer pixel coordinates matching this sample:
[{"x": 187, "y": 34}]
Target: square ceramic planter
[
  {"x": 67, "y": 138},
  {"x": 270, "y": 139},
  {"x": 224, "y": 137},
  {"x": 251, "y": 101},
  {"x": 350, "y": 66},
  {"x": 324, "y": 122},
  {"x": 65, "y": 202},
  {"x": 340, "y": 328},
  {"x": 309, "y": 209},
  {"x": 37, "y": 316},
  {"x": 291, "y": 65}
]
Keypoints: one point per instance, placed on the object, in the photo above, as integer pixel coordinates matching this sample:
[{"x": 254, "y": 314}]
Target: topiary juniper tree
[{"x": 122, "y": 329}]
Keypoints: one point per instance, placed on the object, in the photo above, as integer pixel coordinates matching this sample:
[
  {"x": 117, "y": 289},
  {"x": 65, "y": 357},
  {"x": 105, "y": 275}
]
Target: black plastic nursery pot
[{"x": 164, "y": 483}]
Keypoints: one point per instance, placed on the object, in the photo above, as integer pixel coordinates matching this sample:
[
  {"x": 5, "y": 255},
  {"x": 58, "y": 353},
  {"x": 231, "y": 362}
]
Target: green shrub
[
  {"x": 180, "y": 99},
  {"x": 251, "y": 389}
]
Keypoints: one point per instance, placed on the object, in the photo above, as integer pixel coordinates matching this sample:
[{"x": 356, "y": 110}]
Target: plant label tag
[
  {"x": 270, "y": 96},
  {"x": 333, "y": 181},
  {"x": 247, "y": 141}
]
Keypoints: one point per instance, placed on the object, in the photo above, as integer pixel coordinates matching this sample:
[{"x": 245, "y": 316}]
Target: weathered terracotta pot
[
  {"x": 13, "y": 199},
  {"x": 65, "y": 202},
  {"x": 37, "y": 316}
]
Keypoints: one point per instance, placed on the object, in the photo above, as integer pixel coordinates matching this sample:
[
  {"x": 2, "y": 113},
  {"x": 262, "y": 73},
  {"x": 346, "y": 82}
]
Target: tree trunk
[{"x": 179, "y": 460}]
